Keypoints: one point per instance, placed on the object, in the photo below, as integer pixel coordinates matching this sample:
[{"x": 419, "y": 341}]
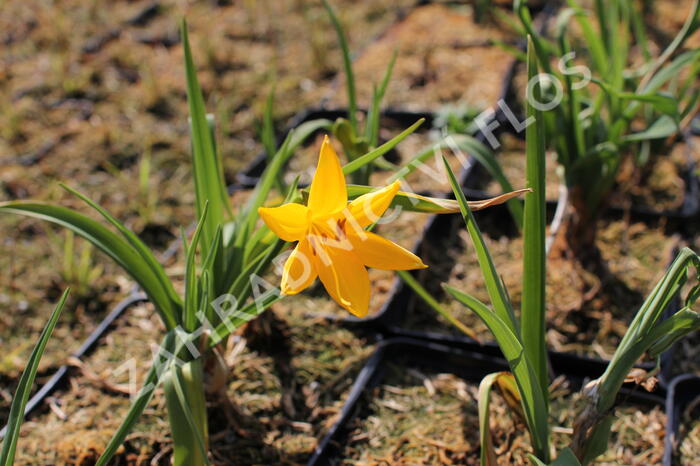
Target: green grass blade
[
  {"x": 534, "y": 255},
  {"x": 372, "y": 126},
  {"x": 191, "y": 285},
  {"x": 243, "y": 315},
  {"x": 381, "y": 150},
  {"x": 494, "y": 285},
  {"x": 691, "y": 24},
  {"x": 594, "y": 42},
  {"x": 208, "y": 178},
  {"x": 508, "y": 386},
  {"x": 533, "y": 402},
  {"x": 175, "y": 385},
  {"x": 543, "y": 52},
  {"x": 488, "y": 159},
  {"x": 410, "y": 202},
  {"x": 19, "y": 401},
  {"x": 347, "y": 65},
  {"x": 135, "y": 243},
  {"x": 488, "y": 455},
  {"x": 663, "y": 127},
  {"x": 268, "y": 128},
  {"x": 268, "y": 136},
  {"x": 434, "y": 304},
  {"x": 111, "y": 244}
]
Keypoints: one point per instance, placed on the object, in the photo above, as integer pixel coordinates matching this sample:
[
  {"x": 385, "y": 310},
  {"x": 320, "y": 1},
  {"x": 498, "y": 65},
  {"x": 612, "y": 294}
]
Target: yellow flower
[{"x": 332, "y": 242}]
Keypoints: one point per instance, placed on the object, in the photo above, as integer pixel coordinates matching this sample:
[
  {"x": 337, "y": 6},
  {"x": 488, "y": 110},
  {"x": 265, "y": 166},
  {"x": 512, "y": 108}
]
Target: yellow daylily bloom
[{"x": 332, "y": 243}]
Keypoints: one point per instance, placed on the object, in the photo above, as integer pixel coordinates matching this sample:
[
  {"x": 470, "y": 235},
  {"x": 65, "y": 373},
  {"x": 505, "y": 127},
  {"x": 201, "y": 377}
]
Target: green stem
[{"x": 188, "y": 420}]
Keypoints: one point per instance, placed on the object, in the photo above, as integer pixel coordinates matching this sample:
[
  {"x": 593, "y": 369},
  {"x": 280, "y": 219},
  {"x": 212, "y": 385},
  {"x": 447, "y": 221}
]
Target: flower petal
[
  {"x": 299, "y": 269},
  {"x": 328, "y": 193},
  {"x": 369, "y": 207},
  {"x": 345, "y": 279},
  {"x": 289, "y": 221},
  {"x": 380, "y": 253}
]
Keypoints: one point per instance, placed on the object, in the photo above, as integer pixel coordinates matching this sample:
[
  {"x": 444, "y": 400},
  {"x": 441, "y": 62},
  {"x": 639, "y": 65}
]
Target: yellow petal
[
  {"x": 345, "y": 279},
  {"x": 380, "y": 253},
  {"x": 289, "y": 221},
  {"x": 299, "y": 270},
  {"x": 369, "y": 207},
  {"x": 328, "y": 193}
]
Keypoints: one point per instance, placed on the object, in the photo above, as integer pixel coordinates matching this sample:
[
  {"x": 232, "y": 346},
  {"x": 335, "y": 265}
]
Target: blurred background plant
[
  {"x": 521, "y": 336},
  {"x": 632, "y": 110}
]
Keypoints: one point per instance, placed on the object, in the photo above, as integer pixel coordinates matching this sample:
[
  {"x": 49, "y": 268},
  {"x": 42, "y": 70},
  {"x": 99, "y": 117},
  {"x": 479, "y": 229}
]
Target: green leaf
[
  {"x": 347, "y": 65},
  {"x": 135, "y": 243},
  {"x": 268, "y": 138},
  {"x": 665, "y": 104},
  {"x": 598, "y": 441},
  {"x": 411, "y": 202},
  {"x": 534, "y": 255},
  {"x": 381, "y": 150},
  {"x": 671, "y": 330},
  {"x": 637, "y": 339},
  {"x": 663, "y": 127},
  {"x": 372, "y": 125},
  {"x": 434, "y": 304},
  {"x": 505, "y": 329},
  {"x": 671, "y": 71},
  {"x": 506, "y": 382},
  {"x": 208, "y": 177},
  {"x": 594, "y": 42},
  {"x": 240, "y": 316},
  {"x": 534, "y": 404},
  {"x": 494, "y": 285},
  {"x": 24, "y": 387},
  {"x": 488, "y": 159},
  {"x": 122, "y": 252},
  {"x": 691, "y": 24},
  {"x": 294, "y": 139},
  {"x": 184, "y": 391},
  {"x": 191, "y": 298},
  {"x": 566, "y": 458},
  {"x": 469, "y": 144}
]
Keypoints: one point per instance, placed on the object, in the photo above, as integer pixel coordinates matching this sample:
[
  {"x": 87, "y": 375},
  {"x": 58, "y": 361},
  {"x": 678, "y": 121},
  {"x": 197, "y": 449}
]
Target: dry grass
[{"x": 417, "y": 417}]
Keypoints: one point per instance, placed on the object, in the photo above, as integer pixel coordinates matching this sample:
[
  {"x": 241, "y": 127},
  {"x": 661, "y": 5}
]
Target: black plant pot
[
  {"x": 465, "y": 361},
  {"x": 683, "y": 391}
]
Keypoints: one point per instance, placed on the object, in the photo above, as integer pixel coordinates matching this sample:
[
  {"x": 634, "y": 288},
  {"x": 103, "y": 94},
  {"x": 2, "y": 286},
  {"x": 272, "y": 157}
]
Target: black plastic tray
[
  {"x": 682, "y": 391},
  {"x": 470, "y": 364}
]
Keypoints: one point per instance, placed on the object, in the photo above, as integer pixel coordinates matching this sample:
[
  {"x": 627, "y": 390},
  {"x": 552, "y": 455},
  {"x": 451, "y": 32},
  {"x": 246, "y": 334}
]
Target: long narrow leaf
[
  {"x": 108, "y": 242},
  {"x": 191, "y": 289},
  {"x": 534, "y": 403},
  {"x": 411, "y": 202},
  {"x": 347, "y": 65},
  {"x": 19, "y": 401},
  {"x": 534, "y": 254},
  {"x": 135, "y": 243},
  {"x": 494, "y": 285},
  {"x": 208, "y": 178},
  {"x": 506, "y": 382},
  {"x": 432, "y": 302},
  {"x": 381, "y": 150}
]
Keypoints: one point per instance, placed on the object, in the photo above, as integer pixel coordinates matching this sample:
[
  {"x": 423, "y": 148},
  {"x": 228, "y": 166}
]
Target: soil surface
[
  {"x": 689, "y": 441},
  {"x": 402, "y": 421},
  {"x": 93, "y": 94},
  {"x": 284, "y": 383},
  {"x": 635, "y": 254}
]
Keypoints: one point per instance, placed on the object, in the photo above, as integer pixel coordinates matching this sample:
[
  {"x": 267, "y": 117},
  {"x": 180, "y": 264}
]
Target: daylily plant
[{"x": 332, "y": 241}]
